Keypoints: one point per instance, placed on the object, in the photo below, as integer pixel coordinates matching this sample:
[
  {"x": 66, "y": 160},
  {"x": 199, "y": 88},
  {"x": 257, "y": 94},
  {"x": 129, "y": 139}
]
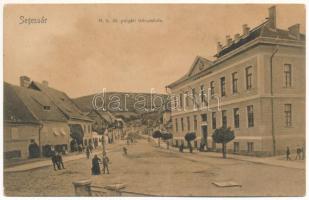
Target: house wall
[
  {"x": 17, "y": 137},
  {"x": 55, "y": 133}
]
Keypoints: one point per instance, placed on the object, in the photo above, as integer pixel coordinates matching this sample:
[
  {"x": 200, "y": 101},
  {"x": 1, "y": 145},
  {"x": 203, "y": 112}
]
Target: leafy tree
[
  {"x": 190, "y": 137},
  {"x": 157, "y": 134},
  {"x": 223, "y": 135}
]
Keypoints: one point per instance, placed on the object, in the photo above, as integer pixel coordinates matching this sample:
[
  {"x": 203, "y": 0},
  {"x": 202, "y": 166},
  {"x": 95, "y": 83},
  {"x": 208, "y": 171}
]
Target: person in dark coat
[
  {"x": 59, "y": 160},
  {"x": 181, "y": 148},
  {"x": 55, "y": 161},
  {"x": 96, "y": 165},
  {"x": 125, "y": 151},
  {"x": 298, "y": 153},
  {"x": 105, "y": 163},
  {"x": 288, "y": 153}
]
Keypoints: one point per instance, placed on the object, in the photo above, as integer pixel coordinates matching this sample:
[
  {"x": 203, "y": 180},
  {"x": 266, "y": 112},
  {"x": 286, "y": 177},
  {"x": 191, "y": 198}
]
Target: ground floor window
[
  {"x": 236, "y": 147},
  {"x": 250, "y": 147},
  {"x": 176, "y": 143},
  {"x": 12, "y": 154}
]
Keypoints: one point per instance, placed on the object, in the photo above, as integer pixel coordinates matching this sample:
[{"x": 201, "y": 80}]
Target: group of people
[
  {"x": 96, "y": 161},
  {"x": 300, "y": 153},
  {"x": 57, "y": 160}
]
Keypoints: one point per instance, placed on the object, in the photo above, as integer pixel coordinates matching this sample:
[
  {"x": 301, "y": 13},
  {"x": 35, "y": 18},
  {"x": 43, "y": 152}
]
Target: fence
[{"x": 85, "y": 188}]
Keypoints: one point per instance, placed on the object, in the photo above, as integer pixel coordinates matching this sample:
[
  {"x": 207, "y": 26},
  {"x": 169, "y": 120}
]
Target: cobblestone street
[{"x": 158, "y": 171}]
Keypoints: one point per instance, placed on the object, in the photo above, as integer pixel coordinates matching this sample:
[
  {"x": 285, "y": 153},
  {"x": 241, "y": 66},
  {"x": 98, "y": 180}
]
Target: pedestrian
[
  {"x": 59, "y": 160},
  {"x": 90, "y": 147},
  {"x": 181, "y": 148},
  {"x": 54, "y": 160},
  {"x": 288, "y": 153},
  {"x": 105, "y": 161},
  {"x": 298, "y": 153},
  {"x": 88, "y": 152},
  {"x": 96, "y": 165},
  {"x": 303, "y": 150},
  {"x": 125, "y": 151}
]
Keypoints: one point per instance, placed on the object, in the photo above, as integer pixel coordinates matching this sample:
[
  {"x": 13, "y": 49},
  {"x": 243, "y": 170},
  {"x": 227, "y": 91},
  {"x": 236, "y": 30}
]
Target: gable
[{"x": 199, "y": 64}]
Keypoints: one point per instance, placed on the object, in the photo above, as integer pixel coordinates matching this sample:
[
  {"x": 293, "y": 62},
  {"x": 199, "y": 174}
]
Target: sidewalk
[
  {"x": 274, "y": 161},
  {"x": 48, "y": 162}
]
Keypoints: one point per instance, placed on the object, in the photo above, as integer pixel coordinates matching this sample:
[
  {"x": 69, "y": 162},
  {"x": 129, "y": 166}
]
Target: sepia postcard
[{"x": 154, "y": 100}]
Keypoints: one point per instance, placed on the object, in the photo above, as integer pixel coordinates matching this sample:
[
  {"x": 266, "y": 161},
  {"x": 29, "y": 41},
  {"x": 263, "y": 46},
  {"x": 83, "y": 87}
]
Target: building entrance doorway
[{"x": 205, "y": 135}]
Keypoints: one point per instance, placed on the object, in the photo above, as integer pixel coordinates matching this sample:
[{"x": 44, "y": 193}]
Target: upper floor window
[
  {"x": 234, "y": 83},
  {"x": 250, "y": 116},
  {"x": 182, "y": 125},
  {"x": 188, "y": 123},
  {"x": 176, "y": 124},
  {"x": 193, "y": 96},
  {"x": 287, "y": 75},
  {"x": 249, "y": 78},
  {"x": 222, "y": 81},
  {"x": 187, "y": 98},
  {"x": 288, "y": 115},
  {"x": 236, "y": 117},
  {"x": 202, "y": 93},
  {"x": 46, "y": 107},
  {"x": 181, "y": 100},
  {"x": 214, "y": 120},
  {"x": 212, "y": 88},
  {"x": 224, "y": 119},
  {"x": 204, "y": 117}
]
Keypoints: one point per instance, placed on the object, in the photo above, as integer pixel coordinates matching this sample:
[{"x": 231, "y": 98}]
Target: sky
[{"x": 80, "y": 55}]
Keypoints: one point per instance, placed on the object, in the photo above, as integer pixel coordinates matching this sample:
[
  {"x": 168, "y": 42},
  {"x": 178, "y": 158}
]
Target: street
[{"x": 152, "y": 170}]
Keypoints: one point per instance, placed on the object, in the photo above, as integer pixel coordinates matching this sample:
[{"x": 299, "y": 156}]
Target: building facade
[{"x": 256, "y": 86}]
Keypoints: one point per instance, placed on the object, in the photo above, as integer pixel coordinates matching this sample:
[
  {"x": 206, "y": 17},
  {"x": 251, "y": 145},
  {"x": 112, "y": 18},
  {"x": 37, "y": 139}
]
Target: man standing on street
[
  {"x": 288, "y": 153},
  {"x": 298, "y": 152},
  {"x": 105, "y": 161},
  {"x": 59, "y": 160}
]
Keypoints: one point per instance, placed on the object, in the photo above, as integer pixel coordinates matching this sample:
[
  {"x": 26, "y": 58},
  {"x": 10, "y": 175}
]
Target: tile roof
[
  {"x": 64, "y": 103},
  {"x": 29, "y": 106}
]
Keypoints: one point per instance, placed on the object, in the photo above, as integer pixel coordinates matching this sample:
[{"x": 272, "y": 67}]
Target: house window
[
  {"x": 176, "y": 124},
  {"x": 202, "y": 94},
  {"x": 236, "y": 147},
  {"x": 187, "y": 98},
  {"x": 180, "y": 100},
  {"x": 212, "y": 88},
  {"x": 222, "y": 81},
  {"x": 288, "y": 115},
  {"x": 193, "y": 95},
  {"x": 182, "y": 125},
  {"x": 234, "y": 83},
  {"x": 236, "y": 117},
  {"x": 195, "y": 122},
  {"x": 250, "y": 147},
  {"x": 14, "y": 134},
  {"x": 249, "y": 78},
  {"x": 224, "y": 119},
  {"x": 287, "y": 75},
  {"x": 175, "y": 102},
  {"x": 250, "y": 116},
  {"x": 213, "y": 119},
  {"x": 204, "y": 117},
  {"x": 46, "y": 108},
  {"x": 188, "y": 123}
]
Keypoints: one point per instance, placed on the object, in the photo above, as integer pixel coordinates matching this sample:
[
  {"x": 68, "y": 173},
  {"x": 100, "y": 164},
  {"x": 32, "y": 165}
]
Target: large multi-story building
[{"x": 256, "y": 86}]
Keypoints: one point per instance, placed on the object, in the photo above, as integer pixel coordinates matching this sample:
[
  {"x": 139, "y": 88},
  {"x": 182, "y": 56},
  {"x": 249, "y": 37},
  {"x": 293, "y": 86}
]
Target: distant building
[{"x": 258, "y": 79}]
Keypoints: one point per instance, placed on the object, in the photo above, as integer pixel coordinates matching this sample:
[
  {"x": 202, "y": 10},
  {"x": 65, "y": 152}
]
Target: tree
[
  {"x": 189, "y": 137},
  {"x": 223, "y": 135},
  {"x": 157, "y": 134},
  {"x": 166, "y": 136}
]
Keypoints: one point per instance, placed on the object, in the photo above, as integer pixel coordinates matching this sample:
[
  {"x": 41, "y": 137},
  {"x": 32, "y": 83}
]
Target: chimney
[
  {"x": 245, "y": 29},
  {"x": 237, "y": 37},
  {"x": 219, "y": 47},
  {"x": 272, "y": 17},
  {"x": 228, "y": 40},
  {"x": 24, "y": 81},
  {"x": 45, "y": 83},
  {"x": 294, "y": 30}
]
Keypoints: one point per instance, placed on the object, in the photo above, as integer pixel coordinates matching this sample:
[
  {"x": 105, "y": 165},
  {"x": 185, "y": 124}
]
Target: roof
[
  {"x": 14, "y": 110},
  {"x": 261, "y": 31},
  {"x": 28, "y": 105},
  {"x": 62, "y": 101}
]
